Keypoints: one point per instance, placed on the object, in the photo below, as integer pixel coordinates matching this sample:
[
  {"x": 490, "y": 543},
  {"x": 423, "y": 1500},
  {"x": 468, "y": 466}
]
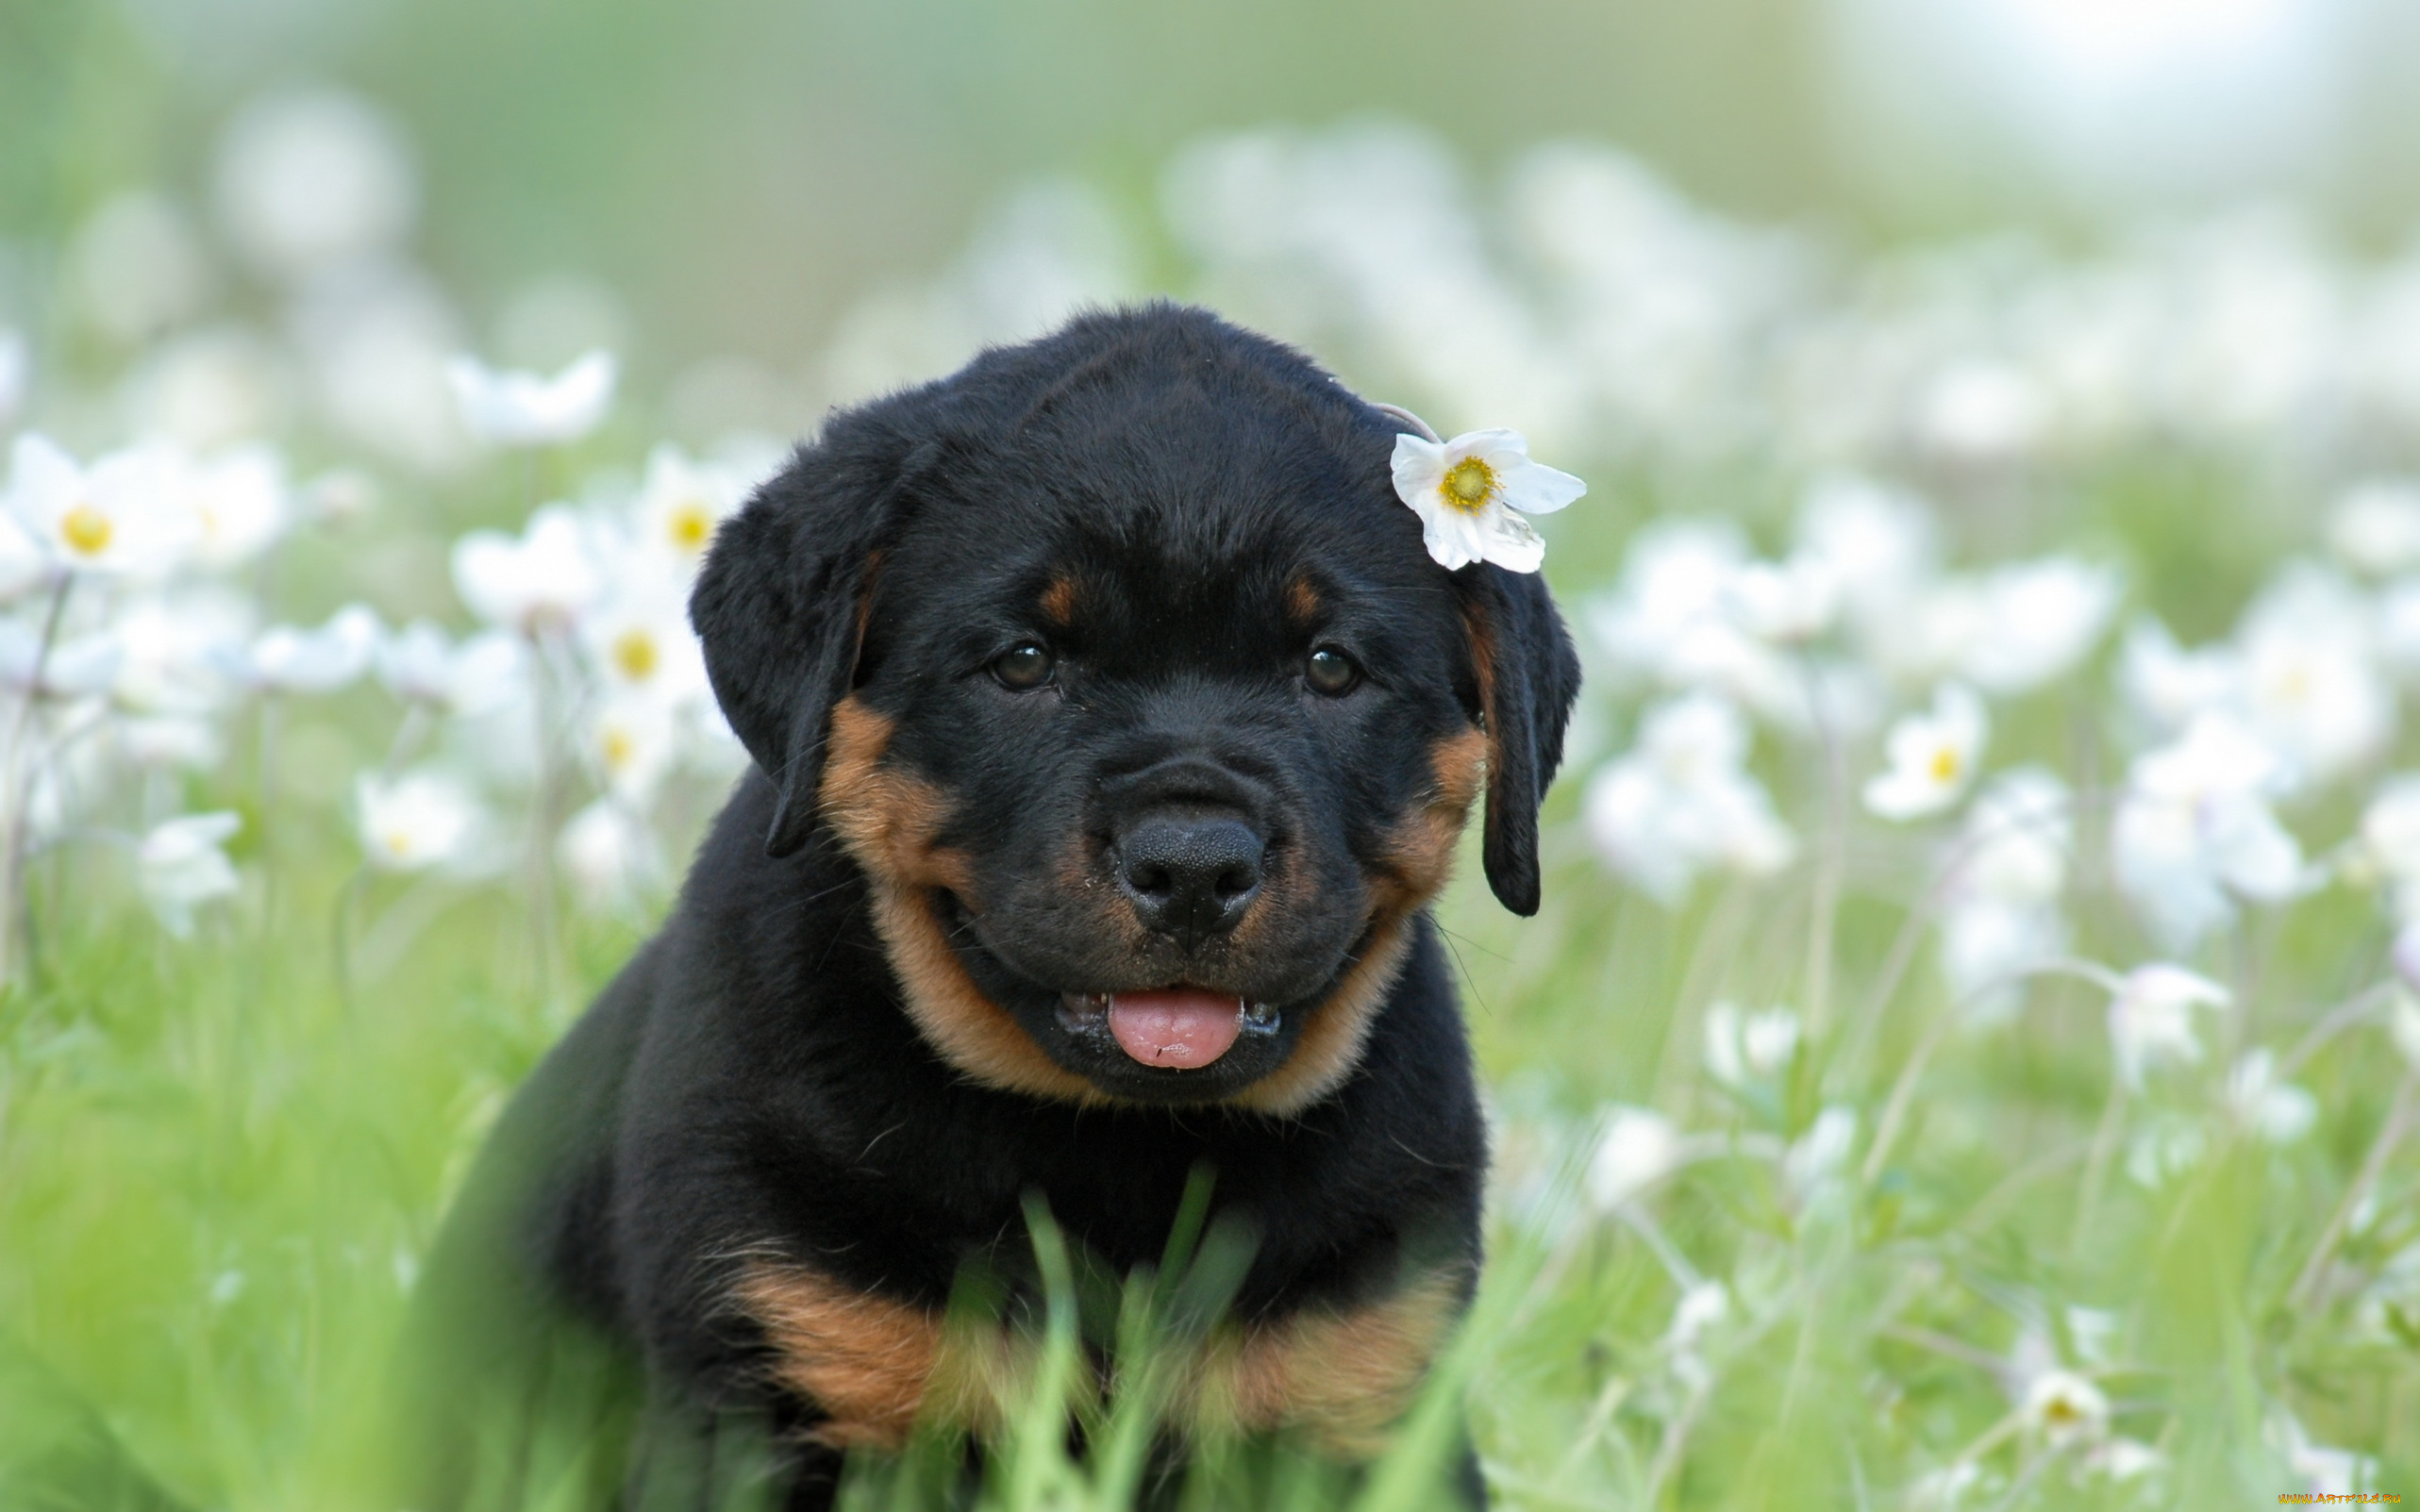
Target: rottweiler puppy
[{"x": 1112, "y": 732}]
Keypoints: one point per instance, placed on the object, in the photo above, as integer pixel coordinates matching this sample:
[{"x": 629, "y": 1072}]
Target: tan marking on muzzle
[
  {"x": 888, "y": 820},
  {"x": 1343, "y": 1378},
  {"x": 872, "y": 1364},
  {"x": 1414, "y": 867}
]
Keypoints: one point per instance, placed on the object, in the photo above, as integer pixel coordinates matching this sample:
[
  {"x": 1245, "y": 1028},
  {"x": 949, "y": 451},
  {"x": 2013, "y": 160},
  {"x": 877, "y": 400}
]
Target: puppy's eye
[
  {"x": 1330, "y": 672},
  {"x": 1023, "y": 666}
]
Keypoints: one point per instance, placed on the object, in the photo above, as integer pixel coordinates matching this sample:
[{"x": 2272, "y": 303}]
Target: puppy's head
[{"x": 1117, "y": 666}]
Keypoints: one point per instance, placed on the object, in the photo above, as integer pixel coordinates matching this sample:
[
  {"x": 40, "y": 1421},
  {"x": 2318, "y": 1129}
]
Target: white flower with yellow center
[
  {"x": 415, "y": 822},
  {"x": 2151, "y": 1018},
  {"x": 1933, "y": 757},
  {"x": 680, "y": 504},
  {"x": 124, "y": 514},
  {"x": 631, "y": 744},
  {"x": 640, "y": 642},
  {"x": 1473, "y": 492},
  {"x": 181, "y": 865},
  {"x": 2065, "y": 1408}
]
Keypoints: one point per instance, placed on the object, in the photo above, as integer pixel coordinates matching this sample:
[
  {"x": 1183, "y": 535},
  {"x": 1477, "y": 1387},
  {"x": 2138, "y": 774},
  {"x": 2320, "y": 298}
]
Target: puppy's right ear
[{"x": 781, "y": 605}]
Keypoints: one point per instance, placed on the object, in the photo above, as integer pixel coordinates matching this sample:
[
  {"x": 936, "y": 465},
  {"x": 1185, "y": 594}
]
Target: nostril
[
  {"x": 1150, "y": 878},
  {"x": 1235, "y": 881}
]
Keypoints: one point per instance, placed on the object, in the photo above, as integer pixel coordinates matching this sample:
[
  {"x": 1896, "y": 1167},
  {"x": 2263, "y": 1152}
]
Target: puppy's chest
[{"x": 872, "y": 1366}]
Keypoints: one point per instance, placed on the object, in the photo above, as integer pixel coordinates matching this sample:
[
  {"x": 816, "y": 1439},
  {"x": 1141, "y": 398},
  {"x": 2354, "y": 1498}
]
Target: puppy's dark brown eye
[
  {"x": 1330, "y": 672},
  {"x": 1024, "y": 666}
]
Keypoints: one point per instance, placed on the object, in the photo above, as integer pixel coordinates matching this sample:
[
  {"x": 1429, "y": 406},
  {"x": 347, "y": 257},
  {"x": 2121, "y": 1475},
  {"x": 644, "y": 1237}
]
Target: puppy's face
[{"x": 1156, "y": 721}]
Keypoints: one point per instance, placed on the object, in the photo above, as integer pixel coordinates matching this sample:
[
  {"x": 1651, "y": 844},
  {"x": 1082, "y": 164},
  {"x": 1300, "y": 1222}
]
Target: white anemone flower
[
  {"x": 2151, "y": 1018},
  {"x": 2008, "y": 868},
  {"x": 1933, "y": 757},
  {"x": 632, "y": 742},
  {"x": 640, "y": 642},
  {"x": 515, "y": 408},
  {"x": 2374, "y": 527},
  {"x": 1472, "y": 494},
  {"x": 2196, "y": 830},
  {"x": 182, "y": 864},
  {"x": 16, "y": 372},
  {"x": 2038, "y": 620},
  {"x": 1791, "y": 602},
  {"x": 238, "y": 500},
  {"x": 1637, "y": 1148},
  {"x": 681, "y": 504},
  {"x": 414, "y": 822},
  {"x": 2065, "y": 1409},
  {"x": 185, "y": 647},
  {"x": 166, "y": 741},
  {"x": 2310, "y": 685},
  {"x": 122, "y": 515},
  {"x": 419, "y": 664},
  {"x": 1681, "y": 802},
  {"x": 2167, "y": 684},
  {"x": 611, "y": 856},
  {"x": 1749, "y": 1047},
  {"x": 286, "y": 659},
  {"x": 2390, "y": 841},
  {"x": 2279, "y": 1112},
  {"x": 540, "y": 580},
  {"x": 1816, "y": 1160}
]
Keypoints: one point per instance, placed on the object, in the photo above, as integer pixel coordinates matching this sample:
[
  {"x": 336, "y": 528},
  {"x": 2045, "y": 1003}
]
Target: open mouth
[{"x": 1180, "y": 1028}]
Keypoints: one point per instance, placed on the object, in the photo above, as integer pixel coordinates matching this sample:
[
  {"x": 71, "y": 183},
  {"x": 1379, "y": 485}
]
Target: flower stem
[
  {"x": 2398, "y": 1123},
  {"x": 16, "y": 922}
]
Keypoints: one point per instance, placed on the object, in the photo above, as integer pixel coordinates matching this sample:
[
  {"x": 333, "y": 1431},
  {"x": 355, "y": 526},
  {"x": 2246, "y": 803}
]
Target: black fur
[{"x": 750, "y": 1084}]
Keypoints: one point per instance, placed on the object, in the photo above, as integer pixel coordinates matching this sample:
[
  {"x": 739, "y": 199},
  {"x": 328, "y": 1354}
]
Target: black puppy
[{"x": 1113, "y": 730}]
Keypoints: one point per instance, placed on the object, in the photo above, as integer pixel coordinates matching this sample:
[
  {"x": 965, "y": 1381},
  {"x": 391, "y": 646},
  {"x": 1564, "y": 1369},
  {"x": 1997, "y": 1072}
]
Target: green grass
[{"x": 220, "y": 1162}]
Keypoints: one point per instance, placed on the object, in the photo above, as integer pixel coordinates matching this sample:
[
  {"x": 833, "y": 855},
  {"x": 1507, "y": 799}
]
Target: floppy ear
[
  {"x": 1529, "y": 674},
  {"x": 780, "y": 605}
]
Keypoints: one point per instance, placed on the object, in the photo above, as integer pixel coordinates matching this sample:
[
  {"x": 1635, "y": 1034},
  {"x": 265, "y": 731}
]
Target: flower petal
[{"x": 1534, "y": 488}]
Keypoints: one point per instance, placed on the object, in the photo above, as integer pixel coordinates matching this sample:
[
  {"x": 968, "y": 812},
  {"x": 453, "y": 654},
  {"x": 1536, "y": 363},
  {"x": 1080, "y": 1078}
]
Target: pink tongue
[{"x": 1183, "y": 1027}]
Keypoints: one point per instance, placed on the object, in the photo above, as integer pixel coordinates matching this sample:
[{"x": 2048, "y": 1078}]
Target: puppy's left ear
[
  {"x": 1527, "y": 676},
  {"x": 781, "y": 603}
]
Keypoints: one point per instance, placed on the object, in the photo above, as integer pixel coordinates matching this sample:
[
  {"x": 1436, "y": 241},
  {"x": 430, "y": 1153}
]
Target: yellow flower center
[
  {"x": 619, "y": 749},
  {"x": 634, "y": 654},
  {"x": 398, "y": 842},
  {"x": 2061, "y": 1411},
  {"x": 1469, "y": 485},
  {"x": 691, "y": 523},
  {"x": 1944, "y": 765},
  {"x": 87, "y": 530}
]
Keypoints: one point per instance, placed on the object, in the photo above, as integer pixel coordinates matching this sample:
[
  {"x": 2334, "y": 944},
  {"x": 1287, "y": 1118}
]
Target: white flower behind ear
[{"x": 1472, "y": 492}]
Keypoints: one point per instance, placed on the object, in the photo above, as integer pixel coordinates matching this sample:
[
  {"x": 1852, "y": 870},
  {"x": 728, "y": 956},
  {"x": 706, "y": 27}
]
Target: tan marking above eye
[
  {"x": 1302, "y": 602},
  {"x": 1059, "y": 600}
]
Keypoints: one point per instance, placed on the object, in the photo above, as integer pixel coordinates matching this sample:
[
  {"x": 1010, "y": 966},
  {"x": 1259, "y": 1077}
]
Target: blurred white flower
[
  {"x": 1670, "y": 619},
  {"x": 2403, "y": 1023},
  {"x": 629, "y": 744},
  {"x": 541, "y": 580},
  {"x": 2164, "y": 1147},
  {"x": 80, "y": 667},
  {"x": 1933, "y": 757},
  {"x": 611, "y": 856},
  {"x": 1745, "y": 1047},
  {"x": 1701, "y": 1310},
  {"x": 1954, "y": 1486},
  {"x": 2316, "y": 1467},
  {"x": 1877, "y": 543},
  {"x": 376, "y": 337},
  {"x": 2195, "y": 826},
  {"x": 1794, "y": 601},
  {"x": 184, "y": 646},
  {"x": 1820, "y": 1155},
  {"x": 122, "y": 515},
  {"x": 639, "y": 641},
  {"x": 2039, "y": 619},
  {"x": 1637, "y": 1148},
  {"x": 2309, "y": 687},
  {"x": 2374, "y": 527},
  {"x": 313, "y": 177},
  {"x": 2389, "y": 840},
  {"x": 137, "y": 268},
  {"x": 1473, "y": 494},
  {"x": 2009, "y": 866},
  {"x": 680, "y": 504},
  {"x": 181, "y": 864},
  {"x": 16, "y": 374},
  {"x": 2065, "y": 1409},
  {"x": 2151, "y": 1019},
  {"x": 1681, "y": 802},
  {"x": 419, "y": 664},
  {"x": 162, "y": 741},
  {"x": 414, "y": 822},
  {"x": 238, "y": 503},
  {"x": 514, "y": 408},
  {"x": 2121, "y": 1459},
  {"x": 286, "y": 659},
  {"x": 2277, "y": 1111},
  {"x": 2169, "y": 685}
]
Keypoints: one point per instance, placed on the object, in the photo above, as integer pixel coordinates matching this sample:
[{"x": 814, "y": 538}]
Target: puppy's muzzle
[{"x": 1190, "y": 875}]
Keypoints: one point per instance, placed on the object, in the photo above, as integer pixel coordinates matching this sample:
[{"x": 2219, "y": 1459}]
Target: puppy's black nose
[{"x": 1193, "y": 877}]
